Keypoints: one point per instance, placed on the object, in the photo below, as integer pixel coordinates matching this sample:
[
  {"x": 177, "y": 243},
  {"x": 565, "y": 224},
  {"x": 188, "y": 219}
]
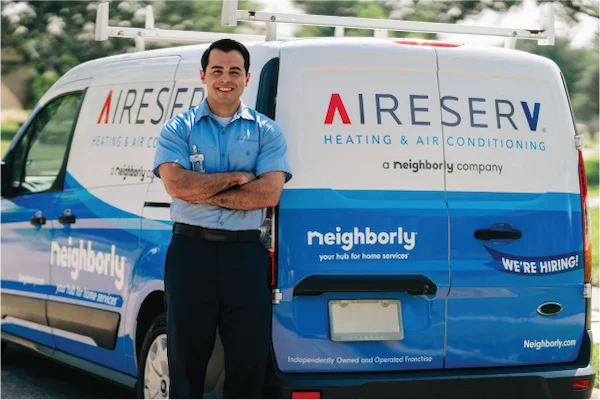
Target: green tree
[
  {"x": 204, "y": 16},
  {"x": 51, "y": 37},
  {"x": 425, "y": 11},
  {"x": 568, "y": 59},
  {"x": 341, "y": 9},
  {"x": 586, "y": 94},
  {"x": 580, "y": 71}
]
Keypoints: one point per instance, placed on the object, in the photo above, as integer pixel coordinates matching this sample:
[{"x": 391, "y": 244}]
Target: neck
[{"x": 223, "y": 110}]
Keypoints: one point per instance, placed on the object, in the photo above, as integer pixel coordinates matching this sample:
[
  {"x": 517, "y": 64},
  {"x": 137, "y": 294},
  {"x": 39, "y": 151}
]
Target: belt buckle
[{"x": 215, "y": 236}]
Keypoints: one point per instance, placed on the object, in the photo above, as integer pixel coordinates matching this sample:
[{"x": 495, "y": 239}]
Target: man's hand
[{"x": 246, "y": 177}]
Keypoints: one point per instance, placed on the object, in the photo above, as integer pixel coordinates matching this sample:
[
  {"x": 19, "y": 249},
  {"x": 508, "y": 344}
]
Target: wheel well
[{"x": 153, "y": 305}]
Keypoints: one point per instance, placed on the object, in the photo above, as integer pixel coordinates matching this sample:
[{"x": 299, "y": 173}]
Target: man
[{"x": 222, "y": 163}]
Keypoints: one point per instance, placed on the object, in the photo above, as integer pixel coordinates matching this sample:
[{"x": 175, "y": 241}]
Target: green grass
[
  {"x": 595, "y": 212},
  {"x": 595, "y": 363},
  {"x": 7, "y": 132},
  {"x": 592, "y": 166},
  {"x": 3, "y": 146}
]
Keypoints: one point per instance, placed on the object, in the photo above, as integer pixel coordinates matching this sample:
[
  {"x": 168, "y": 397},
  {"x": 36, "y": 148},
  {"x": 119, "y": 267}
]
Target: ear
[
  {"x": 247, "y": 79},
  {"x": 202, "y": 76}
]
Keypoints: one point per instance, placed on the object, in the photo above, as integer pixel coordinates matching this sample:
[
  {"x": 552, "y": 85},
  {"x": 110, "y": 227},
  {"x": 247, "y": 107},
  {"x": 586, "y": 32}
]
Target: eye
[{"x": 235, "y": 73}]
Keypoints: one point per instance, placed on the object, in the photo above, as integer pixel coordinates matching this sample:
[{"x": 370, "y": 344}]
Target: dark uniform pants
[{"x": 210, "y": 284}]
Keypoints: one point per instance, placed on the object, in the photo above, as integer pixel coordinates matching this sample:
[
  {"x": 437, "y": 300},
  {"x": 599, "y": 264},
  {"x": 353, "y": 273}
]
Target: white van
[{"x": 434, "y": 242}]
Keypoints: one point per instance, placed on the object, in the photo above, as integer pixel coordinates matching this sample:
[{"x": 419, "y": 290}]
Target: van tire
[{"x": 152, "y": 343}]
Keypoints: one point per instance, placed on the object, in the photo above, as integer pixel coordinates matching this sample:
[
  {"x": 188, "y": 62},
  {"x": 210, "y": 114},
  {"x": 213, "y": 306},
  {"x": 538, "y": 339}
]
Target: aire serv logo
[
  {"x": 348, "y": 239},
  {"x": 138, "y": 106},
  {"x": 386, "y": 105}
]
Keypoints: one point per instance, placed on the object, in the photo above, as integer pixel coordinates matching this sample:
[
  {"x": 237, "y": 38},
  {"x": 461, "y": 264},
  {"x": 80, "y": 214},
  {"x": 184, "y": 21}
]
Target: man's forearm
[
  {"x": 251, "y": 196},
  {"x": 237, "y": 199},
  {"x": 195, "y": 186}
]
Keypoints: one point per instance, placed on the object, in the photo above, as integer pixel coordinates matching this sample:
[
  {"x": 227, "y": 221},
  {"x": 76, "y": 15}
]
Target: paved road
[{"x": 27, "y": 375}]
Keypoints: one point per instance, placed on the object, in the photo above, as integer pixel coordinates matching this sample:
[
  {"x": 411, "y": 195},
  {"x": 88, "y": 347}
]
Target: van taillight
[
  {"x": 586, "y": 222},
  {"x": 306, "y": 395},
  {"x": 580, "y": 384},
  {"x": 271, "y": 255},
  {"x": 267, "y": 239}
]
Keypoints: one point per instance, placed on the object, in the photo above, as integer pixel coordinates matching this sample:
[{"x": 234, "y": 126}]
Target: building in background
[{"x": 14, "y": 89}]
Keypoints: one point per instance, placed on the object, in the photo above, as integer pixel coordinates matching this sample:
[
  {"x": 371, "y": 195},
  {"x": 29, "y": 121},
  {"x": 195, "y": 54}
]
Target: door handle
[
  {"x": 66, "y": 219},
  {"x": 38, "y": 221},
  {"x": 316, "y": 285},
  {"x": 491, "y": 234}
]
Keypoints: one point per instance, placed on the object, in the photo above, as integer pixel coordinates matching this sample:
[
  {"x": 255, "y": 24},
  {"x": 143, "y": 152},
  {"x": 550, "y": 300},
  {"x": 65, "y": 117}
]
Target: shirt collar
[{"x": 242, "y": 112}]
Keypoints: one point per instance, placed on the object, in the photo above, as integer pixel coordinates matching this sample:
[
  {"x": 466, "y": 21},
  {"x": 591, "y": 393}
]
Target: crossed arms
[{"x": 233, "y": 190}]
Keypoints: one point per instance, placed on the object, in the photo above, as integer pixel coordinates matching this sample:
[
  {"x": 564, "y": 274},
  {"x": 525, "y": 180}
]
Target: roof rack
[
  {"x": 150, "y": 33},
  {"x": 231, "y": 15}
]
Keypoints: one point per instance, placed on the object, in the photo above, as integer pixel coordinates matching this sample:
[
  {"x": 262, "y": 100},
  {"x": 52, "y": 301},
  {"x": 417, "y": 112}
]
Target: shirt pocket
[{"x": 243, "y": 157}]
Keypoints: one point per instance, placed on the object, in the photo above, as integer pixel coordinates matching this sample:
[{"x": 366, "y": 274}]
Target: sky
[{"x": 527, "y": 15}]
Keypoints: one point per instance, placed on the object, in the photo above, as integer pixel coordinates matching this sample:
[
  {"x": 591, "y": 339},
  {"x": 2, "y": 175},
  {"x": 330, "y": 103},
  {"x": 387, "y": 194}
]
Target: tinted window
[{"x": 39, "y": 155}]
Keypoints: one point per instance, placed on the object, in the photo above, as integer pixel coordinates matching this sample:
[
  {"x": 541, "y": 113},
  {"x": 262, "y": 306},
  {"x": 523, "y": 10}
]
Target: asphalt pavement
[
  {"x": 596, "y": 328},
  {"x": 27, "y": 375}
]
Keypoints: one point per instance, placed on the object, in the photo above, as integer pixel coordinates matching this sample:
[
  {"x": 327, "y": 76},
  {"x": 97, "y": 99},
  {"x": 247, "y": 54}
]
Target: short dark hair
[{"x": 227, "y": 45}]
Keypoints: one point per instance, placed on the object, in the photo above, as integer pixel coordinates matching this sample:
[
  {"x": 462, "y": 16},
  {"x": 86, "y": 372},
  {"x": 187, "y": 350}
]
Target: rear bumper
[{"x": 541, "y": 381}]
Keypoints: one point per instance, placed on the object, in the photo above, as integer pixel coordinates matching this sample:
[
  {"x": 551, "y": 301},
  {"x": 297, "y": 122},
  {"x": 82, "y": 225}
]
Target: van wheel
[{"x": 153, "y": 366}]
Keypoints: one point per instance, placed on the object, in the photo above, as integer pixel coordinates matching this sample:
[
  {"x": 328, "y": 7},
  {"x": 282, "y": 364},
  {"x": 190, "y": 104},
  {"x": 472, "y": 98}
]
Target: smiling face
[{"x": 225, "y": 79}]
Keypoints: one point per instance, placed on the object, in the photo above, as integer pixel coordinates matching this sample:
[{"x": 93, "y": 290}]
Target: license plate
[{"x": 364, "y": 320}]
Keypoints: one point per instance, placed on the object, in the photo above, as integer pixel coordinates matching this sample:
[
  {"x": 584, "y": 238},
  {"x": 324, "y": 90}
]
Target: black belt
[{"x": 216, "y": 235}]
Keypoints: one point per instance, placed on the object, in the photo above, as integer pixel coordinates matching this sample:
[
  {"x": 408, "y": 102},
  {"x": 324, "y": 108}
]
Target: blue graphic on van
[
  {"x": 531, "y": 119},
  {"x": 545, "y": 265},
  {"x": 85, "y": 259}
]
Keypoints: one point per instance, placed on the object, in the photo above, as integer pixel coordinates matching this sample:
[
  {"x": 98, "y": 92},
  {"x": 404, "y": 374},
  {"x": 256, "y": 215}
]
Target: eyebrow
[{"x": 220, "y": 67}]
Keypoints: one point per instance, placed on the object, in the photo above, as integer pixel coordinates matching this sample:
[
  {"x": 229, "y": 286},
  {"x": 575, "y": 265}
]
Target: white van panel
[
  {"x": 117, "y": 134},
  {"x": 137, "y": 70},
  {"x": 333, "y": 112},
  {"x": 58, "y": 90},
  {"x": 507, "y": 121}
]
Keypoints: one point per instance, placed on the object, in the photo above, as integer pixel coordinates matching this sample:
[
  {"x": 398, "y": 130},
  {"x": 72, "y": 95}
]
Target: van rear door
[
  {"x": 362, "y": 251},
  {"x": 515, "y": 212}
]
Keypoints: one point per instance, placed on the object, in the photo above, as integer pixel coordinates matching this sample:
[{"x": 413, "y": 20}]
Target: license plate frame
[{"x": 348, "y": 320}]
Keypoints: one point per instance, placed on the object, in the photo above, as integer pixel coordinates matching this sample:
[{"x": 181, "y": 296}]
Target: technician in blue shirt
[{"x": 222, "y": 163}]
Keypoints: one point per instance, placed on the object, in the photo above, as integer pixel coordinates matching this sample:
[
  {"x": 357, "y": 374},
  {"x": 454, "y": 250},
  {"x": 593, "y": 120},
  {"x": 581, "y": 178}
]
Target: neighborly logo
[
  {"x": 348, "y": 239},
  {"x": 548, "y": 265}
]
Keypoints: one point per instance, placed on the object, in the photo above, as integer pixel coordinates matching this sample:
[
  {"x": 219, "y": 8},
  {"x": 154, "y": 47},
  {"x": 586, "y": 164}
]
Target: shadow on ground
[{"x": 27, "y": 375}]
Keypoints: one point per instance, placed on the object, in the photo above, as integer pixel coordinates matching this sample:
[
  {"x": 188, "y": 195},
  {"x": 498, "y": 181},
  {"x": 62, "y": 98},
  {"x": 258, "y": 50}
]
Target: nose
[{"x": 225, "y": 78}]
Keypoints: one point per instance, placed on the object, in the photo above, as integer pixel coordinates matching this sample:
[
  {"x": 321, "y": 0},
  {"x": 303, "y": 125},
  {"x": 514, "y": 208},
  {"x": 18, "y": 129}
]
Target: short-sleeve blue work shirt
[{"x": 250, "y": 142}]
